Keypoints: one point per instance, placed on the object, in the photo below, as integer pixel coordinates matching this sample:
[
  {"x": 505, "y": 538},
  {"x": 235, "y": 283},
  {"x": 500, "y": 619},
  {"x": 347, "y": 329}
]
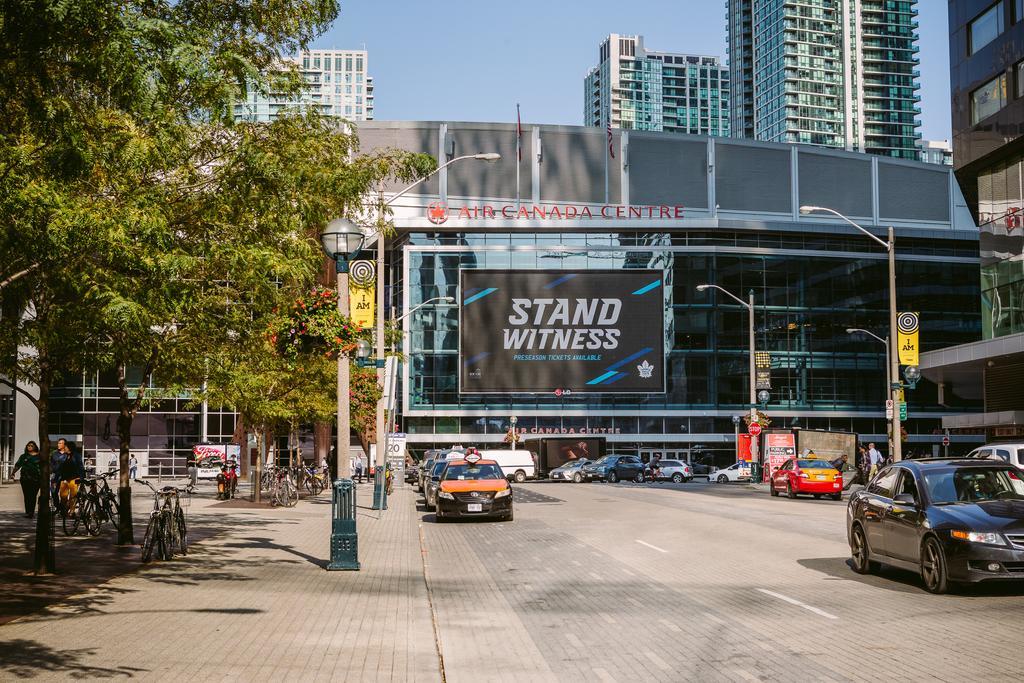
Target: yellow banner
[
  {"x": 907, "y": 329},
  {"x": 361, "y": 306}
]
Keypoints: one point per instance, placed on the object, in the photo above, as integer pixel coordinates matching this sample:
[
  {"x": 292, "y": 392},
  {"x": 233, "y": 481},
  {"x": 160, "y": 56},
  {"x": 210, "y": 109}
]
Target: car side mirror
[{"x": 905, "y": 499}]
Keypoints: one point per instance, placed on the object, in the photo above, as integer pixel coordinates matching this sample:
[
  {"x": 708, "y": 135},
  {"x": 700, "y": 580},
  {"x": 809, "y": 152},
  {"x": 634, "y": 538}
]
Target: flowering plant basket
[{"x": 313, "y": 324}]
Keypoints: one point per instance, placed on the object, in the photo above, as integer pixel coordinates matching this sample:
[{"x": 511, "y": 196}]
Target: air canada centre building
[{"x": 574, "y": 274}]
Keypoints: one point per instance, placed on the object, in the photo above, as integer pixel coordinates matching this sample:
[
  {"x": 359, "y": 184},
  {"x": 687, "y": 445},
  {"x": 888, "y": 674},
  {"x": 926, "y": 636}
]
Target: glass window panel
[
  {"x": 986, "y": 27},
  {"x": 988, "y": 99}
]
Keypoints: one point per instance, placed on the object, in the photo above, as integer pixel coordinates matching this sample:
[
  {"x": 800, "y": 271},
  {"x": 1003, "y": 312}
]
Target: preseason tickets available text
[{"x": 563, "y": 324}]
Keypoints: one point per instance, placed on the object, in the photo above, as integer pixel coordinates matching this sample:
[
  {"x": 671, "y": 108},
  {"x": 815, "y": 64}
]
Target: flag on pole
[
  {"x": 610, "y": 149},
  {"x": 519, "y": 135}
]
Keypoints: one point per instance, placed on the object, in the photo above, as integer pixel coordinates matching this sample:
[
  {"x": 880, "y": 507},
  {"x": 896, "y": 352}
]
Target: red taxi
[
  {"x": 808, "y": 474},
  {"x": 473, "y": 487}
]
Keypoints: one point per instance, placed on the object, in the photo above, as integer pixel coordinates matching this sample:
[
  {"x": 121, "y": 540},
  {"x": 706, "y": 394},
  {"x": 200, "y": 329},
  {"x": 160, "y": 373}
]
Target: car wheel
[
  {"x": 639, "y": 478},
  {"x": 577, "y": 478},
  {"x": 677, "y": 478},
  {"x": 509, "y": 517},
  {"x": 789, "y": 490},
  {"x": 817, "y": 496},
  {"x": 837, "y": 496},
  {"x": 772, "y": 490},
  {"x": 519, "y": 476},
  {"x": 439, "y": 518},
  {"x": 862, "y": 562},
  {"x": 722, "y": 479},
  {"x": 613, "y": 477},
  {"x": 933, "y": 567}
]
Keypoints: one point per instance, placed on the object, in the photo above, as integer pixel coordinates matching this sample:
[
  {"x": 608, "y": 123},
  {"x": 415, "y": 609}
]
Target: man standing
[
  {"x": 874, "y": 460},
  {"x": 357, "y": 468},
  {"x": 190, "y": 467},
  {"x": 133, "y": 466}
]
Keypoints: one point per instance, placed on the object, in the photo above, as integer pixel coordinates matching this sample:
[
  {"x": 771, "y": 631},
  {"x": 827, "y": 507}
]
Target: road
[{"x": 694, "y": 582}]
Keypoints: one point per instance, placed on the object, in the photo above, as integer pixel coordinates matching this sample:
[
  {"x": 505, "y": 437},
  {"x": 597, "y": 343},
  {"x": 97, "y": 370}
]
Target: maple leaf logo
[
  {"x": 645, "y": 369},
  {"x": 437, "y": 213}
]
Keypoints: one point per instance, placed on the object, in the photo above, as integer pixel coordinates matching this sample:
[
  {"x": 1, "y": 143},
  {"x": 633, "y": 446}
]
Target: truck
[
  {"x": 555, "y": 451},
  {"x": 780, "y": 444}
]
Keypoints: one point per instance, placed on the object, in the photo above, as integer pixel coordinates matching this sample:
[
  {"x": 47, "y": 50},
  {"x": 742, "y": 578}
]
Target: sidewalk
[{"x": 251, "y": 601}]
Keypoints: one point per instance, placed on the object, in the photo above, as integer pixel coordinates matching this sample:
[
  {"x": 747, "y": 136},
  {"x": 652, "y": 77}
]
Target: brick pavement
[{"x": 251, "y": 602}]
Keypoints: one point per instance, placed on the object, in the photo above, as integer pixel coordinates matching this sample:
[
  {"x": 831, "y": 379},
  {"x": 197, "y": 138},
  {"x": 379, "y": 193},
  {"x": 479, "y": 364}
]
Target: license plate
[
  {"x": 819, "y": 477},
  {"x": 475, "y": 507}
]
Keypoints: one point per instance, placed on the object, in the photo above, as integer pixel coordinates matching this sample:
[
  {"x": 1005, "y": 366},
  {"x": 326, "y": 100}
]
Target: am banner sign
[{"x": 543, "y": 331}]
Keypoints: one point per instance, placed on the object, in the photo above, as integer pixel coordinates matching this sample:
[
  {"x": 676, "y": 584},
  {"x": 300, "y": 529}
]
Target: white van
[
  {"x": 518, "y": 465},
  {"x": 1012, "y": 453}
]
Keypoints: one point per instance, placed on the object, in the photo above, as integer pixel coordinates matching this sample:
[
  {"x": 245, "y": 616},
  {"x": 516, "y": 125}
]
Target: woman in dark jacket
[{"x": 31, "y": 473}]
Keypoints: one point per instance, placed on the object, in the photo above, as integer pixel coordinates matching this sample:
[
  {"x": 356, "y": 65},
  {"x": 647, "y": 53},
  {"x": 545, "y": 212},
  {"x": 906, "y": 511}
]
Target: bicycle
[
  {"x": 83, "y": 509},
  {"x": 283, "y": 491},
  {"x": 315, "y": 482},
  {"x": 166, "y": 529}
]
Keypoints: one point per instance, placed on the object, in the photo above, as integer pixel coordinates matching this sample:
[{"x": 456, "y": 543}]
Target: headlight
[
  {"x": 979, "y": 537},
  {"x": 502, "y": 493},
  {"x": 446, "y": 495}
]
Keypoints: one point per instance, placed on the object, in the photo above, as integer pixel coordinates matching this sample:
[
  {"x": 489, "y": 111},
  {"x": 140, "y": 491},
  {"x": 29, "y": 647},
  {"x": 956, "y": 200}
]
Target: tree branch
[
  {"x": 30, "y": 397},
  {"x": 18, "y": 275}
]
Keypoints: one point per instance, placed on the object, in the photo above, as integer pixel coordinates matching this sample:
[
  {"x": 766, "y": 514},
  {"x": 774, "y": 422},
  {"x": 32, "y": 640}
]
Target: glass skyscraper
[
  {"x": 638, "y": 89},
  {"x": 837, "y": 73},
  {"x": 336, "y": 82}
]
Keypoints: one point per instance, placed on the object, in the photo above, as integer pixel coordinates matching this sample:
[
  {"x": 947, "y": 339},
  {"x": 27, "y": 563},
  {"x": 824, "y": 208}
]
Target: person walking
[
  {"x": 190, "y": 467},
  {"x": 875, "y": 461},
  {"x": 31, "y": 472},
  {"x": 357, "y": 468},
  {"x": 133, "y": 466}
]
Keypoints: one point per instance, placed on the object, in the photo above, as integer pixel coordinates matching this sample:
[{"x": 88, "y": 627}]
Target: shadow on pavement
[
  {"x": 898, "y": 580},
  {"x": 268, "y": 544},
  {"x": 27, "y": 659}
]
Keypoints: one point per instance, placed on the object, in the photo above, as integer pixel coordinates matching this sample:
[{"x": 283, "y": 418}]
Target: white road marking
[
  {"x": 604, "y": 675},
  {"x": 671, "y": 627},
  {"x": 653, "y": 547},
  {"x": 809, "y": 608},
  {"x": 658, "y": 661}
]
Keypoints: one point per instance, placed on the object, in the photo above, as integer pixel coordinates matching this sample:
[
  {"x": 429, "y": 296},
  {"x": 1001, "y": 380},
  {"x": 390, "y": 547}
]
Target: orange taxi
[
  {"x": 808, "y": 474},
  {"x": 473, "y": 487}
]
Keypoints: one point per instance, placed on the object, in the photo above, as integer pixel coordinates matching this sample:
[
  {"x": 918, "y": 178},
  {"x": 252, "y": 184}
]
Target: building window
[
  {"x": 988, "y": 99},
  {"x": 986, "y": 27},
  {"x": 1018, "y": 10},
  {"x": 1019, "y": 69},
  {"x": 359, "y": 63}
]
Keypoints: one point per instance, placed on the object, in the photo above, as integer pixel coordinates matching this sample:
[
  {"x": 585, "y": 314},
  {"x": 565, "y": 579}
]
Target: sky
[{"x": 473, "y": 60}]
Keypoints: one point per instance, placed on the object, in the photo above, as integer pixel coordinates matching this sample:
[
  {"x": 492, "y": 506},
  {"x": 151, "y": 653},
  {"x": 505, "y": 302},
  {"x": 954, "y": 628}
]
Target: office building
[
  {"x": 935, "y": 152},
  {"x": 987, "y": 86},
  {"x": 836, "y": 73},
  {"x": 335, "y": 81},
  {"x": 634, "y": 88}
]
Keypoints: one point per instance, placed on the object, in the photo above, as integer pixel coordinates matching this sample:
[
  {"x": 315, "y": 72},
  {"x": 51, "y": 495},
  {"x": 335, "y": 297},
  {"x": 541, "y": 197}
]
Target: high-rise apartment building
[
  {"x": 336, "y": 82},
  {"x": 639, "y": 89},
  {"x": 935, "y": 152},
  {"x": 838, "y": 73}
]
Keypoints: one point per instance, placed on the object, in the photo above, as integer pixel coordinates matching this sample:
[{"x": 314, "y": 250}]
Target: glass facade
[
  {"x": 808, "y": 290},
  {"x": 1000, "y": 204}
]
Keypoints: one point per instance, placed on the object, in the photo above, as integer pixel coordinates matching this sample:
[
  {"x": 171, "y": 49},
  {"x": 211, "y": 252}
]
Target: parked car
[
  {"x": 432, "y": 482},
  {"x": 676, "y": 470},
  {"x": 739, "y": 471},
  {"x": 570, "y": 471},
  {"x": 421, "y": 473},
  {"x": 473, "y": 487},
  {"x": 1012, "y": 453},
  {"x": 701, "y": 469},
  {"x": 815, "y": 476},
  {"x": 952, "y": 520},
  {"x": 613, "y": 468}
]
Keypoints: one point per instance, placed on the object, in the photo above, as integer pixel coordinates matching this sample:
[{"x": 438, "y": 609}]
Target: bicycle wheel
[
  {"x": 182, "y": 531},
  {"x": 111, "y": 510},
  {"x": 166, "y": 535},
  {"x": 78, "y": 518},
  {"x": 149, "y": 541},
  {"x": 91, "y": 518},
  {"x": 67, "y": 520},
  {"x": 291, "y": 494}
]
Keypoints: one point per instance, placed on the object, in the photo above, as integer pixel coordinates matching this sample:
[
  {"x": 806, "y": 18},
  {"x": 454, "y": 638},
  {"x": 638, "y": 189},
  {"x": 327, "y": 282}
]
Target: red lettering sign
[{"x": 439, "y": 212}]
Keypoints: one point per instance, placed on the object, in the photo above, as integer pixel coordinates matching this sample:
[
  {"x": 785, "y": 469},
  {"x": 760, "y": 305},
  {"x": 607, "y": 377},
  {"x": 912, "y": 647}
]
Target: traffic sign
[
  {"x": 945, "y": 441},
  {"x": 754, "y": 429},
  {"x": 888, "y": 409},
  {"x": 903, "y": 410}
]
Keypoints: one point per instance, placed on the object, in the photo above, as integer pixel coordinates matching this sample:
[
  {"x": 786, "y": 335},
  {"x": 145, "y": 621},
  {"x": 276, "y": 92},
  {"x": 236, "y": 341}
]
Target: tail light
[{"x": 802, "y": 474}]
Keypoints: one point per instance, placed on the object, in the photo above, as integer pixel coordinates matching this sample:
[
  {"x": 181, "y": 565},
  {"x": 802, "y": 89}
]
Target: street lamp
[
  {"x": 341, "y": 241},
  {"x": 446, "y": 299},
  {"x": 750, "y": 309},
  {"x": 380, "y": 501},
  {"x": 894, "y": 368}
]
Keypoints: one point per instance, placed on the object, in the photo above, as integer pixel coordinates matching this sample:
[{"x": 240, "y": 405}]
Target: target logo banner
[
  {"x": 362, "y": 280},
  {"x": 907, "y": 328}
]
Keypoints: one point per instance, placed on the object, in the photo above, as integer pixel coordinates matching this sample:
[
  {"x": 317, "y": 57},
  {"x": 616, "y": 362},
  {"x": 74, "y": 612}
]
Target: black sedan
[{"x": 951, "y": 520}]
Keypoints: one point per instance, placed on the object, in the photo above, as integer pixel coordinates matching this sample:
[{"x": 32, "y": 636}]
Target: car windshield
[
  {"x": 573, "y": 464},
  {"x": 815, "y": 464},
  {"x": 973, "y": 485},
  {"x": 436, "y": 469},
  {"x": 468, "y": 471}
]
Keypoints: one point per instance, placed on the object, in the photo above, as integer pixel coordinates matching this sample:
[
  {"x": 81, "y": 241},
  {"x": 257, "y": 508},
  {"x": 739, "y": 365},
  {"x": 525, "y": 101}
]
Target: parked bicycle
[
  {"x": 283, "y": 491},
  {"x": 315, "y": 482},
  {"x": 166, "y": 533}
]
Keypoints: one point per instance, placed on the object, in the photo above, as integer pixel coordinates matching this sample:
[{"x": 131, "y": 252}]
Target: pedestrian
[
  {"x": 31, "y": 472},
  {"x": 357, "y": 468},
  {"x": 190, "y": 467},
  {"x": 875, "y": 461},
  {"x": 840, "y": 462},
  {"x": 66, "y": 470},
  {"x": 133, "y": 466}
]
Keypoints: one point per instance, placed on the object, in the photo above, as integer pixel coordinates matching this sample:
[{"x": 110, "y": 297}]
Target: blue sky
[{"x": 472, "y": 60}]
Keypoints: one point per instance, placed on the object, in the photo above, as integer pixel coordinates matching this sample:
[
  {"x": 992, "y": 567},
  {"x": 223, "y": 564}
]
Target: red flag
[
  {"x": 610, "y": 149},
  {"x": 519, "y": 134}
]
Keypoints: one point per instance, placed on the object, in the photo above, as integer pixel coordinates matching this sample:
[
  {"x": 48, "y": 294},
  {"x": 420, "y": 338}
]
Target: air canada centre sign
[
  {"x": 542, "y": 331},
  {"x": 438, "y": 213}
]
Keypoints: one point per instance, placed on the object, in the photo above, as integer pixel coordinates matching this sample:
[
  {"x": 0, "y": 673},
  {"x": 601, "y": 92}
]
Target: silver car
[
  {"x": 433, "y": 482},
  {"x": 421, "y": 476},
  {"x": 676, "y": 470},
  {"x": 570, "y": 471}
]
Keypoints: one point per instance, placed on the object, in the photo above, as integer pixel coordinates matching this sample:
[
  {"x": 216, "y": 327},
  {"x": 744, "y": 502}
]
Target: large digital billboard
[{"x": 542, "y": 331}]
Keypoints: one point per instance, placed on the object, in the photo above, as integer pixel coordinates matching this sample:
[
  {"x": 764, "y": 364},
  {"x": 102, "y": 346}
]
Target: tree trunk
[
  {"x": 44, "y": 561},
  {"x": 257, "y": 494},
  {"x": 321, "y": 442},
  {"x": 125, "y": 529}
]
